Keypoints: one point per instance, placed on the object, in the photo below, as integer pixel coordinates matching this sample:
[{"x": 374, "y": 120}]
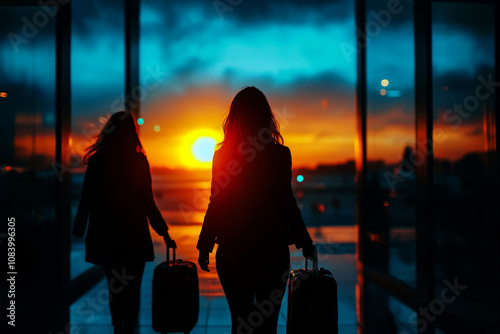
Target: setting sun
[
  {"x": 203, "y": 149},
  {"x": 198, "y": 148}
]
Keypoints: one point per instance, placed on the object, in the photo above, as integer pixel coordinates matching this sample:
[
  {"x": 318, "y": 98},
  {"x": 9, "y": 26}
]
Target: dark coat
[
  {"x": 252, "y": 204},
  {"x": 118, "y": 196}
]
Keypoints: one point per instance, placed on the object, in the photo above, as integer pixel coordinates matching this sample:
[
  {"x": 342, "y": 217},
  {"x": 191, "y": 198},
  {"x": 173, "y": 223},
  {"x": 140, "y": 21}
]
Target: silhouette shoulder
[
  {"x": 284, "y": 151},
  {"x": 139, "y": 156},
  {"x": 217, "y": 157}
]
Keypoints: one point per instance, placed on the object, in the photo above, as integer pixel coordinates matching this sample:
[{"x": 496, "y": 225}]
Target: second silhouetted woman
[{"x": 117, "y": 200}]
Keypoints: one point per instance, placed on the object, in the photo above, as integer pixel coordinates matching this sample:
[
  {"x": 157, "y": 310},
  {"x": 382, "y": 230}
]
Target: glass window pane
[
  {"x": 387, "y": 314},
  {"x": 98, "y": 86},
  {"x": 465, "y": 197},
  {"x": 195, "y": 57},
  {"x": 27, "y": 91},
  {"x": 390, "y": 213},
  {"x": 405, "y": 318},
  {"x": 192, "y": 67},
  {"x": 27, "y": 151},
  {"x": 27, "y": 69}
]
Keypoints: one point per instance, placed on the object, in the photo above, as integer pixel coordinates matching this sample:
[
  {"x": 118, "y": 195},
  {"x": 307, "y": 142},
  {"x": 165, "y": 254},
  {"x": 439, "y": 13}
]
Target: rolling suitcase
[
  {"x": 312, "y": 302},
  {"x": 176, "y": 296}
]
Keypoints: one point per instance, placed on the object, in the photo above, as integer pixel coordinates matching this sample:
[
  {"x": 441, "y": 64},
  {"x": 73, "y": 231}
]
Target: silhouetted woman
[
  {"x": 117, "y": 194},
  {"x": 252, "y": 215}
]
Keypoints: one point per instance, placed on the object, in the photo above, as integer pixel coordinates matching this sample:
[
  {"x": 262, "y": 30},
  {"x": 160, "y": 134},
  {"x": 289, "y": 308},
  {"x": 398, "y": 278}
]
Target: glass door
[
  {"x": 32, "y": 109},
  {"x": 465, "y": 198}
]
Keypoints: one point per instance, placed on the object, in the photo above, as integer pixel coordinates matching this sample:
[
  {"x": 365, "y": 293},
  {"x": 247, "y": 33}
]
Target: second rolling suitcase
[
  {"x": 176, "y": 296},
  {"x": 312, "y": 302}
]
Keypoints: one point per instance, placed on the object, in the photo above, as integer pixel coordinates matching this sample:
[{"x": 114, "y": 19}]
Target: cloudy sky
[
  {"x": 205, "y": 54},
  {"x": 195, "y": 56}
]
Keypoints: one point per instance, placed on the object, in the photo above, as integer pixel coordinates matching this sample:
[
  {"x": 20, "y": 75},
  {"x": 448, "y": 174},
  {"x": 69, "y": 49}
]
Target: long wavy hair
[
  {"x": 249, "y": 116},
  {"x": 118, "y": 138}
]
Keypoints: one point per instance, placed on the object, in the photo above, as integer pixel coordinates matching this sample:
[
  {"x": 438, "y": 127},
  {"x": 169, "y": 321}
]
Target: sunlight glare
[
  {"x": 197, "y": 148},
  {"x": 203, "y": 149}
]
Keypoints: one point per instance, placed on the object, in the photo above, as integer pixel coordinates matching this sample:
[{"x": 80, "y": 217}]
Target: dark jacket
[
  {"x": 252, "y": 204},
  {"x": 118, "y": 196}
]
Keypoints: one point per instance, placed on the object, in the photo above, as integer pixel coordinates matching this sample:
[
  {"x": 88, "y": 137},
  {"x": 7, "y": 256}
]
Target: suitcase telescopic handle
[
  {"x": 168, "y": 255},
  {"x": 314, "y": 262}
]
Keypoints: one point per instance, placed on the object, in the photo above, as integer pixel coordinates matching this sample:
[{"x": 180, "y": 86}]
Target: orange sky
[
  {"x": 318, "y": 132},
  {"x": 318, "y": 129}
]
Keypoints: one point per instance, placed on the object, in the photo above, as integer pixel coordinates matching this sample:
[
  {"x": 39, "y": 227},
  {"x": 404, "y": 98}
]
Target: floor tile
[{"x": 90, "y": 314}]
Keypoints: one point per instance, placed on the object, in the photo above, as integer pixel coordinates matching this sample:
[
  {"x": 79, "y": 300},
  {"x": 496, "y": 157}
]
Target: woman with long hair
[
  {"x": 117, "y": 196},
  {"x": 252, "y": 215}
]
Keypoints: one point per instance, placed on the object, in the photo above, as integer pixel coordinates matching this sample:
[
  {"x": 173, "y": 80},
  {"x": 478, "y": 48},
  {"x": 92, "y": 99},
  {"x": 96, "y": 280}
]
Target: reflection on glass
[
  {"x": 405, "y": 318},
  {"x": 387, "y": 314},
  {"x": 27, "y": 137},
  {"x": 391, "y": 157},
  {"x": 27, "y": 118},
  {"x": 465, "y": 198},
  {"x": 97, "y": 82}
]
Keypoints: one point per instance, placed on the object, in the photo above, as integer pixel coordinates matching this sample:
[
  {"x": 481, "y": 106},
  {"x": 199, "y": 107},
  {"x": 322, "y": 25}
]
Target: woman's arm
[
  {"x": 155, "y": 218},
  {"x": 208, "y": 234}
]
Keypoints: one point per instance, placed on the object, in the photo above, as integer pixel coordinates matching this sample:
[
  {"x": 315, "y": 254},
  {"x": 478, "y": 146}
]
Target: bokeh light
[
  {"x": 384, "y": 82},
  {"x": 300, "y": 178},
  {"x": 140, "y": 121},
  {"x": 157, "y": 128}
]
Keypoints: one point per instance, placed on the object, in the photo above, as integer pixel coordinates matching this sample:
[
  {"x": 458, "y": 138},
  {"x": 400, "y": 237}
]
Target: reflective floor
[{"x": 91, "y": 314}]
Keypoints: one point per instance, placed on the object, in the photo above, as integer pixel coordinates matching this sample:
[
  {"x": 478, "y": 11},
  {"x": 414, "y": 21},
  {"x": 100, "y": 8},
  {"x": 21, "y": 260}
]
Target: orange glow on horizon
[{"x": 314, "y": 134}]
